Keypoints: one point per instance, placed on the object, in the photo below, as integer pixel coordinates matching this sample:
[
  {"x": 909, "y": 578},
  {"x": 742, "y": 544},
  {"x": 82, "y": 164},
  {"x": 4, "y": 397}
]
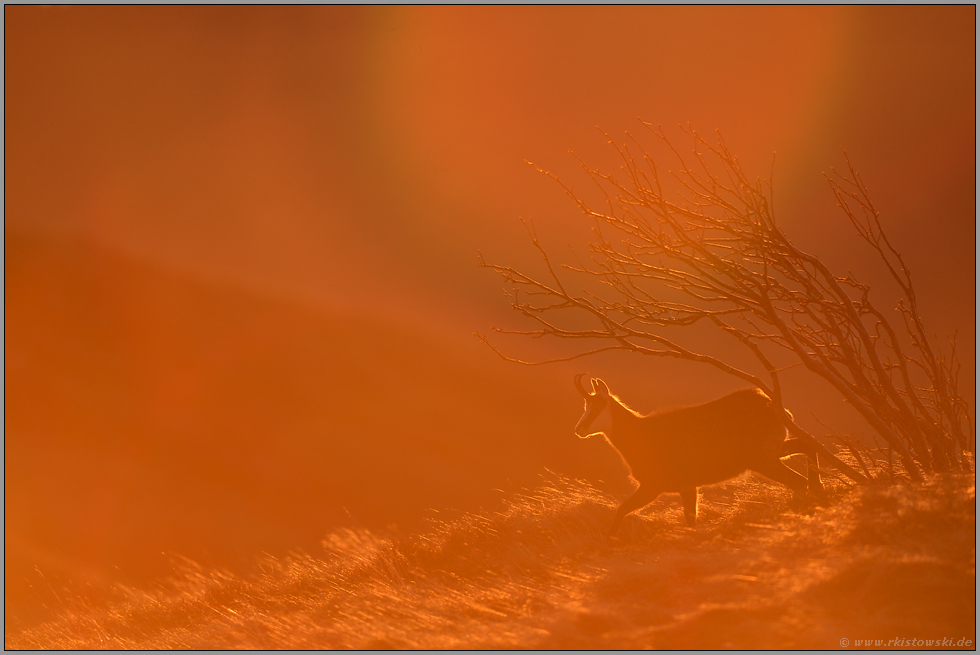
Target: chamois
[{"x": 682, "y": 449}]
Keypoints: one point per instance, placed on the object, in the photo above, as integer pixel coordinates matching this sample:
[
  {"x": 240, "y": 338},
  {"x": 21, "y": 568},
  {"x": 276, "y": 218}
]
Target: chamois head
[{"x": 597, "y": 417}]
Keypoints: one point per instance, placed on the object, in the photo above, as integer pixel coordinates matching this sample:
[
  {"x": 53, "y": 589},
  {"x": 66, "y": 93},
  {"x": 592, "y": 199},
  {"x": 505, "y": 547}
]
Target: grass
[{"x": 885, "y": 563}]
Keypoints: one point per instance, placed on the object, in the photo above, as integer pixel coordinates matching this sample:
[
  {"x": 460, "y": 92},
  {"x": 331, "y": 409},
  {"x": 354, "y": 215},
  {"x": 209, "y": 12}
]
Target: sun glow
[{"x": 244, "y": 406}]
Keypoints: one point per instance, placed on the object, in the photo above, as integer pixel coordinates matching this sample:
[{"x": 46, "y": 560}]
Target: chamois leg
[
  {"x": 640, "y": 497},
  {"x": 689, "y": 498},
  {"x": 776, "y": 470},
  {"x": 797, "y": 445}
]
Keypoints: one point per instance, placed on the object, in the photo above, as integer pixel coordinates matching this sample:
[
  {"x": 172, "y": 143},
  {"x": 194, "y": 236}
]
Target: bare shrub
[{"x": 712, "y": 253}]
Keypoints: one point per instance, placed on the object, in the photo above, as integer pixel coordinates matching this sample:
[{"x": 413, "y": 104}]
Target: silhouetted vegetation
[
  {"x": 537, "y": 574},
  {"x": 701, "y": 246}
]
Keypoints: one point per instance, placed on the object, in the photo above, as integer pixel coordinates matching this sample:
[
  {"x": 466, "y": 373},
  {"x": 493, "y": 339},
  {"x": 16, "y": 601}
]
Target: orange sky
[
  {"x": 354, "y": 159},
  {"x": 281, "y": 147}
]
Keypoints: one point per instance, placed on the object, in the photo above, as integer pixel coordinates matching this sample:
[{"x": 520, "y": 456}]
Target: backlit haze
[{"x": 241, "y": 278}]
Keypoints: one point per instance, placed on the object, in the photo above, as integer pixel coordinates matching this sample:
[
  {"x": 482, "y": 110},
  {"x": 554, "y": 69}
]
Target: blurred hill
[{"x": 150, "y": 415}]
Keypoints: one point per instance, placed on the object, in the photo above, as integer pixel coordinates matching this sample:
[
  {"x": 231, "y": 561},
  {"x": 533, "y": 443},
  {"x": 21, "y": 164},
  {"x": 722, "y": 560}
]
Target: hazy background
[{"x": 240, "y": 248}]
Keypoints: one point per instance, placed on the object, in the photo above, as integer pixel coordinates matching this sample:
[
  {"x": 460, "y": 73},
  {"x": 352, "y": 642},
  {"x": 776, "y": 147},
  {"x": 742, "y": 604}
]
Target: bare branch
[{"x": 715, "y": 254}]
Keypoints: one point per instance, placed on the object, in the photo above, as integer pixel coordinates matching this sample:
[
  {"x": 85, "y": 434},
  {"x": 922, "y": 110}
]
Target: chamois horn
[{"x": 579, "y": 387}]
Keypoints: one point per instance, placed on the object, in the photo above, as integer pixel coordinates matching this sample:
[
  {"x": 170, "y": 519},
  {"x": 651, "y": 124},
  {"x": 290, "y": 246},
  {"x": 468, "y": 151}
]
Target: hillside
[
  {"x": 150, "y": 414},
  {"x": 881, "y": 563}
]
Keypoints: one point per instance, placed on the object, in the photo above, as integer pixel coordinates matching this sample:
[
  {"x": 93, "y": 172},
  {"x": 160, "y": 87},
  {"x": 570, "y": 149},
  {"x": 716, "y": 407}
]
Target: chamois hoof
[{"x": 799, "y": 503}]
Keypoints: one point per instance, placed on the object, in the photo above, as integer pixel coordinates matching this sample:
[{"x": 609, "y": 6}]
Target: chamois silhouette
[{"x": 682, "y": 449}]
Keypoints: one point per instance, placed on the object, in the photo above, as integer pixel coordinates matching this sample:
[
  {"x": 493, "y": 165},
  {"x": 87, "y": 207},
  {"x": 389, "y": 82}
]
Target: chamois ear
[{"x": 600, "y": 387}]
